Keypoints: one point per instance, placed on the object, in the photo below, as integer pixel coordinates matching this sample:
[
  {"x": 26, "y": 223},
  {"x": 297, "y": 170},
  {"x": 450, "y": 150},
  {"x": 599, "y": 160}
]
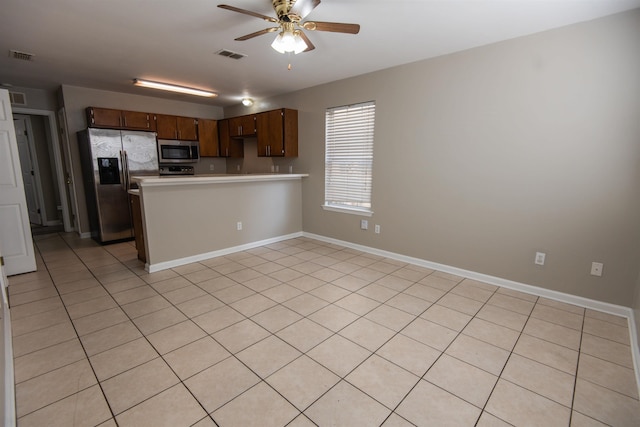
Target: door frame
[
  {"x": 54, "y": 147},
  {"x": 37, "y": 178}
]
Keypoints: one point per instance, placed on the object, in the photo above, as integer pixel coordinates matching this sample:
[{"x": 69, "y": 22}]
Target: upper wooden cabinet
[
  {"x": 277, "y": 133},
  {"x": 208, "y": 138},
  {"x": 176, "y": 127},
  {"x": 119, "y": 119},
  {"x": 229, "y": 147},
  {"x": 242, "y": 126}
]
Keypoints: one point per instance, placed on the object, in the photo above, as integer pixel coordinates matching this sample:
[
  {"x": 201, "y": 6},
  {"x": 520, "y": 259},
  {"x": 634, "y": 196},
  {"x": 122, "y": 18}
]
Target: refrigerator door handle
[
  {"x": 123, "y": 162},
  {"x": 125, "y": 167}
]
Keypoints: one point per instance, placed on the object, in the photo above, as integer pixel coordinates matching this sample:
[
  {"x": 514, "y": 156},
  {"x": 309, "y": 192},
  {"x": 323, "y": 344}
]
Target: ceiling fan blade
[
  {"x": 334, "y": 27},
  {"x": 310, "y": 45},
  {"x": 303, "y": 7},
  {"x": 247, "y": 12},
  {"x": 257, "y": 33}
]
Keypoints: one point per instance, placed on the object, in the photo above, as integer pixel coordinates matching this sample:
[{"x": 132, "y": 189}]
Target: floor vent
[
  {"x": 230, "y": 54},
  {"x": 23, "y": 56},
  {"x": 18, "y": 98}
]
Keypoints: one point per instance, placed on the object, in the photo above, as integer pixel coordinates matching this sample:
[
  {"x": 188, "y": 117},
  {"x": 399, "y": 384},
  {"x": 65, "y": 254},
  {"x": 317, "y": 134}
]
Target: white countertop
[{"x": 171, "y": 180}]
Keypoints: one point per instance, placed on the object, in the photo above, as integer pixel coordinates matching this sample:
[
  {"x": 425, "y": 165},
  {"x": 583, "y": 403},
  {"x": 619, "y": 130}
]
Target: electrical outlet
[
  {"x": 596, "y": 268},
  {"x": 211, "y": 167},
  {"x": 540, "y": 256},
  {"x": 239, "y": 225},
  {"x": 364, "y": 224},
  {"x": 376, "y": 229}
]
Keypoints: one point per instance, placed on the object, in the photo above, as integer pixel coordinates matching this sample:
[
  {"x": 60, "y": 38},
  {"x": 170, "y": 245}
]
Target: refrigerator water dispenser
[{"x": 108, "y": 170}]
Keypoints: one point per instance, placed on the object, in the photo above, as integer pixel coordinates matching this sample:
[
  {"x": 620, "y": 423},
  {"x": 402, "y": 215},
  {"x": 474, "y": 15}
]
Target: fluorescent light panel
[{"x": 173, "y": 88}]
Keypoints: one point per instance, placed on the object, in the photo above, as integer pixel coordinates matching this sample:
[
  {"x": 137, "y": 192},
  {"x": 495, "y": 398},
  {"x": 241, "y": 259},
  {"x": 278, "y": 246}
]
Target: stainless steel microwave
[{"x": 175, "y": 151}]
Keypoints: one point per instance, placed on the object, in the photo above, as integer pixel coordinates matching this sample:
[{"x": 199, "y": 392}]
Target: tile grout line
[
  {"x": 76, "y": 332},
  {"x": 505, "y": 365},
  {"x": 143, "y": 335},
  {"x": 575, "y": 379},
  {"x": 458, "y": 333}
]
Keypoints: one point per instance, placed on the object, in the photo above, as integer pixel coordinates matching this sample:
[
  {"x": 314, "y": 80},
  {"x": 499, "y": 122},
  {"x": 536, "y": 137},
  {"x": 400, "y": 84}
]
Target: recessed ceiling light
[
  {"x": 173, "y": 88},
  {"x": 247, "y": 102}
]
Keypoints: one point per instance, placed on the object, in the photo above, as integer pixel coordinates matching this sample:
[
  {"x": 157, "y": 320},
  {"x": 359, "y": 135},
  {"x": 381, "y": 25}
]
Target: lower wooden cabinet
[{"x": 138, "y": 229}]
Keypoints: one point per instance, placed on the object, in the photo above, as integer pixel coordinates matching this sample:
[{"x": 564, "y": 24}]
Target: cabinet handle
[
  {"x": 125, "y": 121},
  {"x": 177, "y": 134}
]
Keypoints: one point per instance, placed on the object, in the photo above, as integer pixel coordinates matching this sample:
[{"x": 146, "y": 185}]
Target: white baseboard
[
  {"x": 617, "y": 310},
  {"x": 152, "y": 268}
]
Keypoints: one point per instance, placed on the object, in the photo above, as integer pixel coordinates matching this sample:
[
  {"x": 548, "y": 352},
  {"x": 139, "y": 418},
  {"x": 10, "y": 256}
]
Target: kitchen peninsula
[{"x": 189, "y": 219}]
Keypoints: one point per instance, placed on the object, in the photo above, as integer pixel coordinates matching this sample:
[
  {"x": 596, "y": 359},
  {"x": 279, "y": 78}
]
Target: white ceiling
[{"x": 105, "y": 44}]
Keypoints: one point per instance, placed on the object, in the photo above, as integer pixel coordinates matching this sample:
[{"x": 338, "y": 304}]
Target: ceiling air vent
[
  {"x": 230, "y": 54},
  {"x": 18, "y": 98},
  {"x": 24, "y": 56}
]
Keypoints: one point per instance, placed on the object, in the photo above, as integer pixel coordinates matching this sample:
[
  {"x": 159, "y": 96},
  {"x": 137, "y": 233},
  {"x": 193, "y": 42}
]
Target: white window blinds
[{"x": 349, "y": 156}]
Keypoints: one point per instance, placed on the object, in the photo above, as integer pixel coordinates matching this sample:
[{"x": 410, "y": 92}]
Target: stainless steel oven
[{"x": 175, "y": 151}]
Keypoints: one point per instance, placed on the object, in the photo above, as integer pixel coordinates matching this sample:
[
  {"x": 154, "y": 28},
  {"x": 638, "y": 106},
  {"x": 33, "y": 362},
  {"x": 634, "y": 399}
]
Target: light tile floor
[{"x": 301, "y": 333}]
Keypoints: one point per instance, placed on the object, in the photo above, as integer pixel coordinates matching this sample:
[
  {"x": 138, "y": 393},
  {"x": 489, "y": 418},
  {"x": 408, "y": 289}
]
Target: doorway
[
  {"x": 42, "y": 170},
  {"x": 31, "y": 176}
]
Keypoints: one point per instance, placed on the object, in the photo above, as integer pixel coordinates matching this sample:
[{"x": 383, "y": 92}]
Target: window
[{"x": 349, "y": 158}]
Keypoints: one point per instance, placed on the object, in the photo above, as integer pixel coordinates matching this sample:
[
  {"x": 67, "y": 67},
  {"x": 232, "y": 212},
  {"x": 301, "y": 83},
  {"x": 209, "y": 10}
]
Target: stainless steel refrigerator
[{"x": 109, "y": 158}]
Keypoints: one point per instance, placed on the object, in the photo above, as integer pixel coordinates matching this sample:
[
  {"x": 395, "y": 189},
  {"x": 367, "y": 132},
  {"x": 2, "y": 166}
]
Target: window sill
[{"x": 352, "y": 211}]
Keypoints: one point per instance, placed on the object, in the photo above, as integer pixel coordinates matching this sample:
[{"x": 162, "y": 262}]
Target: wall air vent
[
  {"x": 23, "y": 56},
  {"x": 18, "y": 98},
  {"x": 230, "y": 54}
]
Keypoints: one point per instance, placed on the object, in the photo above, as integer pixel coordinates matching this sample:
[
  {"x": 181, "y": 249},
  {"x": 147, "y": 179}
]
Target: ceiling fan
[{"x": 290, "y": 14}]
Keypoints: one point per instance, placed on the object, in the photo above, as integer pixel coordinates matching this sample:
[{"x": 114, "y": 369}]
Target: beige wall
[
  {"x": 77, "y": 99},
  {"x": 38, "y": 99},
  {"x": 486, "y": 156},
  {"x": 251, "y": 163}
]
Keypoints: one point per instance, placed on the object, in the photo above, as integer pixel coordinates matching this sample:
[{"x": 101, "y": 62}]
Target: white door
[
  {"x": 16, "y": 242},
  {"x": 29, "y": 166}
]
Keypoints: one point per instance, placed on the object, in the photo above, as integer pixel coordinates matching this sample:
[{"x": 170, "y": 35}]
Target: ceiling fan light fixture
[
  {"x": 289, "y": 41},
  {"x": 173, "y": 88},
  {"x": 247, "y": 102}
]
